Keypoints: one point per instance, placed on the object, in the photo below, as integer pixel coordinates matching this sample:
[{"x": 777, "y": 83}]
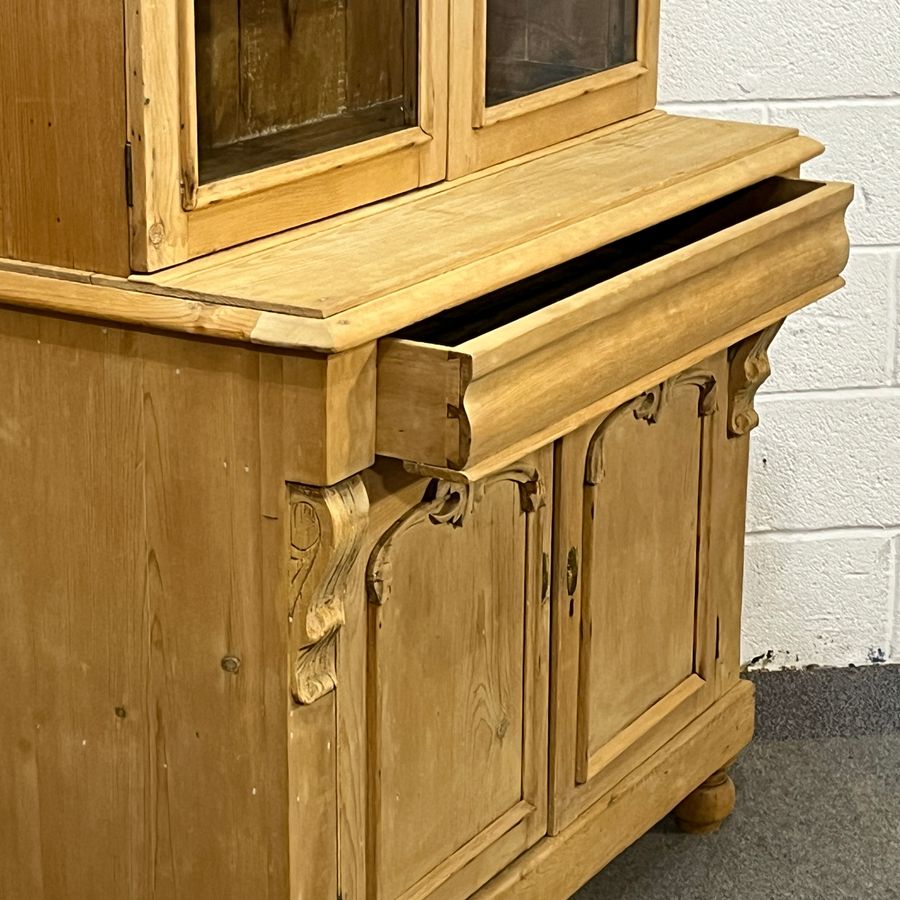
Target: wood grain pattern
[
  {"x": 382, "y": 53},
  {"x": 131, "y": 455},
  {"x": 512, "y": 385},
  {"x": 471, "y": 723},
  {"x": 211, "y": 296},
  {"x": 273, "y": 42},
  {"x": 327, "y": 526},
  {"x": 313, "y": 780},
  {"x": 171, "y": 690},
  {"x": 62, "y": 135},
  {"x": 291, "y": 65},
  {"x": 280, "y": 81},
  {"x": 704, "y": 811},
  {"x": 156, "y": 76},
  {"x": 568, "y": 423},
  {"x": 635, "y": 639},
  {"x": 218, "y": 88},
  {"x": 267, "y": 67},
  {"x": 326, "y": 531},
  {"x": 489, "y": 715},
  {"x": 260, "y": 660},
  {"x": 561, "y": 864},
  {"x": 269, "y": 152},
  {"x": 640, "y": 569},
  {"x": 472, "y": 224},
  {"x": 749, "y": 371}
]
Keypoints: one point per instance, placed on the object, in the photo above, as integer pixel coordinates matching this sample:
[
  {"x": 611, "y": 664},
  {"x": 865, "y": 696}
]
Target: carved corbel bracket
[
  {"x": 446, "y": 503},
  {"x": 326, "y": 531},
  {"x": 648, "y": 407},
  {"x": 749, "y": 368}
]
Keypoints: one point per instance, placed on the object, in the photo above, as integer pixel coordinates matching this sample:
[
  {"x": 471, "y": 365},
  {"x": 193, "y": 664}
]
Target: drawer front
[{"x": 474, "y": 386}]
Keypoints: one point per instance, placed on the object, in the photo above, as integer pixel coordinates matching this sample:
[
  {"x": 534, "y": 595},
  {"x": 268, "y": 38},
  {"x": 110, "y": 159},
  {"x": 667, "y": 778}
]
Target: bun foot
[{"x": 708, "y": 807}]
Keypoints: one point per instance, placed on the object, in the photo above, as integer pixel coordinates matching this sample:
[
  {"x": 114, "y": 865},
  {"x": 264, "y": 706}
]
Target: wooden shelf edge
[
  {"x": 559, "y": 865},
  {"x": 485, "y": 467},
  {"x": 171, "y": 302},
  {"x": 49, "y": 293}
]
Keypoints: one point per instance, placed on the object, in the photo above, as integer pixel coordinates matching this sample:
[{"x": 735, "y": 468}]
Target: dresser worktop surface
[{"x": 352, "y": 279}]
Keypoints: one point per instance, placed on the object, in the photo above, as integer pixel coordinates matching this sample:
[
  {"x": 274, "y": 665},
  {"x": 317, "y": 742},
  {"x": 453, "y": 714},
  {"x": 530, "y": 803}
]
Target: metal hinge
[{"x": 129, "y": 177}]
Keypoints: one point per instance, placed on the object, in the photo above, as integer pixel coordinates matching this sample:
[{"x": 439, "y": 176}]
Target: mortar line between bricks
[
  {"x": 893, "y": 357},
  {"x": 875, "y": 392},
  {"x": 811, "y": 535},
  {"x": 818, "y": 102},
  {"x": 893, "y": 638}
]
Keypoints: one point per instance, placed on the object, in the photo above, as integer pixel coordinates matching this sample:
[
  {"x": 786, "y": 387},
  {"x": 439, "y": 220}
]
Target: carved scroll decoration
[
  {"x": 326, "y": 528},
  {"x": 446, "y": 503},
  {"x": 648, "y": 407},
  {"x": 749, "y": 368}
]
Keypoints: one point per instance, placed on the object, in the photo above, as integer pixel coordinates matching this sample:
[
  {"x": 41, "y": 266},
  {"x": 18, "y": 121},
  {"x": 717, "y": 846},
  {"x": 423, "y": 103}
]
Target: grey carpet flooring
[{"x": 818, "y": 810}]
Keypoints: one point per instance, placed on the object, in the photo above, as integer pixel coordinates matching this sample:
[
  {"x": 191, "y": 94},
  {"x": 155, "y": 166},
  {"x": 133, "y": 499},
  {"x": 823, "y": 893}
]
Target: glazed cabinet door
[
  {"x": 457, "y": 680},
  {"x": 527, "y": 75},
  {"x": 636, "y": 617},
  {"x": 250, "y": 116}
]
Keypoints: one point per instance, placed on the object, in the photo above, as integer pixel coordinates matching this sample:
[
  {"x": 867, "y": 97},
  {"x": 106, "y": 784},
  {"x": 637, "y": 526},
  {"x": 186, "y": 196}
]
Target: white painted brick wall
[{"x": 823, "y": 547}]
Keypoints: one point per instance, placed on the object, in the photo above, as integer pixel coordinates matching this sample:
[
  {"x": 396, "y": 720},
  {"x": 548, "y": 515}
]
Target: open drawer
[{"x": 527, "y": 363}]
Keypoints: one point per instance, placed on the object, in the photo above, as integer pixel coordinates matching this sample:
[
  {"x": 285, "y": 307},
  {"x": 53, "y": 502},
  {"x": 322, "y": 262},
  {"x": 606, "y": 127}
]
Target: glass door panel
[
  {"x": 279, "y": 80},
  {"x": 536, "y": 44}
]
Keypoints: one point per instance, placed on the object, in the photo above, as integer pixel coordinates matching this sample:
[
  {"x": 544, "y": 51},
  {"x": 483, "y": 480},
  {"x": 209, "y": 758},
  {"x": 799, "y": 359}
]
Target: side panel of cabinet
[
  {"x": 62, "y": 135},
  {"x": 457, "y": 677},
  {"x": 172, "y": 604},
  {"x": 635, "y": 635},
  {"x": 145, "y": 745}
]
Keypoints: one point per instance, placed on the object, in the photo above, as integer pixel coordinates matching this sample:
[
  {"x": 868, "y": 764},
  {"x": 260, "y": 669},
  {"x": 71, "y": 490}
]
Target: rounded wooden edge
[{"x": 704, "y": 810}]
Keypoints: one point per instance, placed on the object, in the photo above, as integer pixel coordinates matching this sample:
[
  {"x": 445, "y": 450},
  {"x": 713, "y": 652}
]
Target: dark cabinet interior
[
  {"x": 536, "y": 44},
  {"x": 279, "y": 81}
]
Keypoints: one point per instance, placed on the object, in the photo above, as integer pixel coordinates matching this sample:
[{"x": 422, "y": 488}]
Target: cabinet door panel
[
  {"x": 447, "y": 688},
  {"x": 635, "y": 633},
  {"x": 457, "y": 686},
  {"x": 640, "y": 566}
]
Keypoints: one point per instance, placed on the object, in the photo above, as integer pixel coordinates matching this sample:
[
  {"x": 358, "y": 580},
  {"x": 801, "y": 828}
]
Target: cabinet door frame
[
  {"x": 435, "y": 503},
  {"x": 174, "y": 218},
  {"x": 481, "y": 136},
  {"x": 579, "y": 778}
]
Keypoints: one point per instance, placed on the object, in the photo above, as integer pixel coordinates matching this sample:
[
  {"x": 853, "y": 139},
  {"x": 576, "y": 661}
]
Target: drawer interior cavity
[{"x": 493, "y": 310}]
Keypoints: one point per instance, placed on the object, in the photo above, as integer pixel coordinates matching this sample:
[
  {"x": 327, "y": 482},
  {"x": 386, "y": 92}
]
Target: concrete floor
[{"x": 818, "y": 809}]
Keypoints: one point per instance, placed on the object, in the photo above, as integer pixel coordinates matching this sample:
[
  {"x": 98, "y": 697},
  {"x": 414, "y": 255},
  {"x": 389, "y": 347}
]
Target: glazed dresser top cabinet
[
  {"x": 215, "y": 122},
  {"x": 377, "y": 386}
]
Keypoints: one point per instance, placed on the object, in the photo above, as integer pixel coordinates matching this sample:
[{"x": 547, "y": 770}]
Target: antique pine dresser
[{"x": 377, "y": 381}]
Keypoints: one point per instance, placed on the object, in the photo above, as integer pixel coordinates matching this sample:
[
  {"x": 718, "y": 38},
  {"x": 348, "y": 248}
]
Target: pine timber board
[
  {"x": 358, "y": 277},
  {"x": 62, "y": 161},
  {"x": 510, "y": 383},
  {"x": 561, "y": 864},
  {"x": 331, "y": 271}
]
